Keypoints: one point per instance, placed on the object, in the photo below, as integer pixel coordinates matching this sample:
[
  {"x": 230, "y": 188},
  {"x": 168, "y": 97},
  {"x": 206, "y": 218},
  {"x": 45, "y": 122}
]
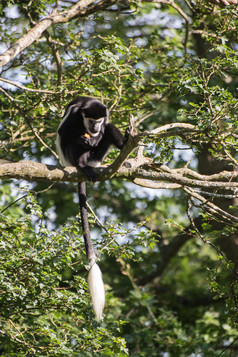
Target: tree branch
[
  {"x": 212, "y": 208},
  {"x": 140, "y": 170},
  {"x": 12, "y": 83},
  {"x": 137, "y": 171},
  {"x": 80, "y": 9}
]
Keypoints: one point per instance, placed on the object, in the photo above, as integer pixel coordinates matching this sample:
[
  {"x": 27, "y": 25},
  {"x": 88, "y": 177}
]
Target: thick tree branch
[
  {"x": 80, "y": 9},
  {"x": 140, "y": 170},
  {"x": 133, "y": 169},
  {"x": 147, "y": 173}
]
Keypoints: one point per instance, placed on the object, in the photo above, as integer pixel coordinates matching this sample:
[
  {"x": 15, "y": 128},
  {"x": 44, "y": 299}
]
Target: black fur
[
  {"x": 86, "y": 115},
  {"x": 79, "y": 150}
]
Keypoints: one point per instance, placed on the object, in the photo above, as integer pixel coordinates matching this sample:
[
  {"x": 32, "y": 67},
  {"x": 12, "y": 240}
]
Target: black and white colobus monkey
[{"x": 83, "y": 139}]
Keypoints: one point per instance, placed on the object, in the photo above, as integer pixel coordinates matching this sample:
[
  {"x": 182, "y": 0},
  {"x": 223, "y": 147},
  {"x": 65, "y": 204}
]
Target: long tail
[{"x": 96, "y": 286}]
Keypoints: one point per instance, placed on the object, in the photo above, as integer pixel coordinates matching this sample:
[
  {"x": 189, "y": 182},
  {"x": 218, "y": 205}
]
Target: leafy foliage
[{"x": 169, "y": 260}]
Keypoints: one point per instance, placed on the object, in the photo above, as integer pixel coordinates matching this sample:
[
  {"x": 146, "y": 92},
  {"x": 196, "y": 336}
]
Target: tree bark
[{"x": 80, "y": 9}]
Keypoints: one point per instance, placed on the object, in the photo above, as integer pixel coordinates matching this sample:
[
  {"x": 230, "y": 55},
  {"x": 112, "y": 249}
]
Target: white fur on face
[{"x": 88, "y": 122}]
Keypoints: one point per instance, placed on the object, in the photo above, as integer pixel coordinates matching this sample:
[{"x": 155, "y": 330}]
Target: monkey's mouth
[{"x": 94, "y": 131}]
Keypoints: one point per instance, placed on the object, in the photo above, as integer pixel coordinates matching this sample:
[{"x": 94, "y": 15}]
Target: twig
[
  {"x": 28, "y": 89},
  {"x": 56, "y": 55},
  {"x": 211, "y": 206},
  {"x": 199, "y": 233}
]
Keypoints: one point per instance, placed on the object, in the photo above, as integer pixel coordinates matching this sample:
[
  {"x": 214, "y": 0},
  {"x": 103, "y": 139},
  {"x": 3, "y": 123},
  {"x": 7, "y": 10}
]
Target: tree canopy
[{"x": 163, "y": 213}]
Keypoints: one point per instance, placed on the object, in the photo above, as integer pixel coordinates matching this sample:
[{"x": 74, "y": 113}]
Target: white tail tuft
[{"x": 96, "y": 288}]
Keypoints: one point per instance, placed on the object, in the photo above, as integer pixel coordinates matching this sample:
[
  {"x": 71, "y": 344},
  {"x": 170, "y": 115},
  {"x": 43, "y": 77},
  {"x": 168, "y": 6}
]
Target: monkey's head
[{"x": 95, "y": 116}]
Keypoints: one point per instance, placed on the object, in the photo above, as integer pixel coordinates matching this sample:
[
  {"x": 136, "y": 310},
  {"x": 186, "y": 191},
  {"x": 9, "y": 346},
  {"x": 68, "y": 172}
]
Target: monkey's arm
[
  {"x": 111, "y": 136},
  {"x": 94, "y": 155},
  {"x": 115, "y": 137}
]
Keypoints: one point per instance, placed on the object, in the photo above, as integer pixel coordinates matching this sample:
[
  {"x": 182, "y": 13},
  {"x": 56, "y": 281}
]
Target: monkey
[{"x": 84, "y": 137}]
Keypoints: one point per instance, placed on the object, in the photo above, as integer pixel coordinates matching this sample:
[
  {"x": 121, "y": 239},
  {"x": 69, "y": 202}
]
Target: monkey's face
[{"x": 93, "y": 126}]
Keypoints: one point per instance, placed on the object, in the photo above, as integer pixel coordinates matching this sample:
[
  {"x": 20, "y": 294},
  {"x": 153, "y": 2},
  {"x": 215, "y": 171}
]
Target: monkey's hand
[
  {"x": 126, "y": 136},
  {"x": 85, "y": 140},
  {"x": 90, "y": 172}
]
